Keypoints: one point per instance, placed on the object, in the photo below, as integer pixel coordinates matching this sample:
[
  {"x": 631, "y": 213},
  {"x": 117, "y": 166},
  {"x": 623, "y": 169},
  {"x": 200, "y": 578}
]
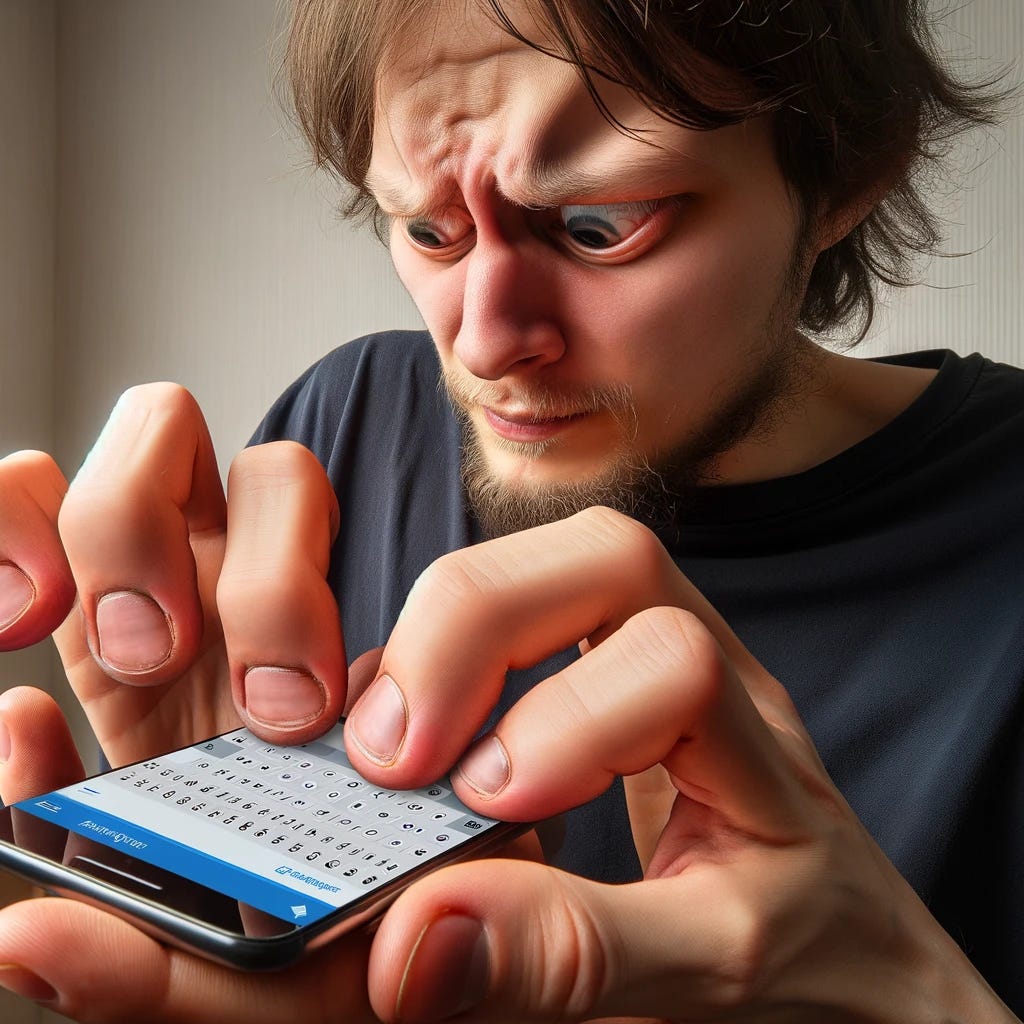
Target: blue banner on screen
[{"x": 289, "y": 893}]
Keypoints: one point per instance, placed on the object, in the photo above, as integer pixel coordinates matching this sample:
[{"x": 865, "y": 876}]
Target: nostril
[{"x": 492, "y": 350}]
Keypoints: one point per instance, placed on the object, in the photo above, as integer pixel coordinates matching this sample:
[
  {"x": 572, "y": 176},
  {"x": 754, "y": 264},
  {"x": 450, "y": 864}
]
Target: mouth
[{"x": 526, "y": 428}]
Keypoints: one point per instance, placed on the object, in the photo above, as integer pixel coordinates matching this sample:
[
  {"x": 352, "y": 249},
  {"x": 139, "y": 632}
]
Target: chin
[{"x": 509, "y": 496}]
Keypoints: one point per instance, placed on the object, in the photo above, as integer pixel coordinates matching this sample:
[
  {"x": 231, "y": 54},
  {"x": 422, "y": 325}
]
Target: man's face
[{"x": 604, "y": 303}]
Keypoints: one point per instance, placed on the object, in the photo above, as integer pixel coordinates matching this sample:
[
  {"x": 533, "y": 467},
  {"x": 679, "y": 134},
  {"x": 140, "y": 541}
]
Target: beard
[{"x": 655, "y": 490}]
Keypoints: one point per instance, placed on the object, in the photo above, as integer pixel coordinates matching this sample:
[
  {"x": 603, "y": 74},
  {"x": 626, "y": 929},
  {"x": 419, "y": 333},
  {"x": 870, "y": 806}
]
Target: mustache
[{"x": 544, "y": 400}]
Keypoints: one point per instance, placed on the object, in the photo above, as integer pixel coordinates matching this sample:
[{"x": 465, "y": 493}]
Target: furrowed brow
[
  {"x": 545, "y": 186},
  {"x": 542, "y": 188},
  {"x": 534, "y": 186},
  {"x": 397, "y": 200}
]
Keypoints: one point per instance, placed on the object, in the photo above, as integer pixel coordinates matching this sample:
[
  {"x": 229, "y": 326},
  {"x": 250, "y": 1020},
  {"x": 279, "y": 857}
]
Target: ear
[
  {"x": 833, "y": 224},
  {"x": 835, "y": 220}
]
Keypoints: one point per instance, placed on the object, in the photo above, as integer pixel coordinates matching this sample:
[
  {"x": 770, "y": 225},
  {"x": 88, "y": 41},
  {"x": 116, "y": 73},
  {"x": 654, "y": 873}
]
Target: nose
[{"x": 510, "y": 320}]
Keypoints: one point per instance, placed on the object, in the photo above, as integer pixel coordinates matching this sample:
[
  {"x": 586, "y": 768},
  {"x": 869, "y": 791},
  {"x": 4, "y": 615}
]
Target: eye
[
  {"x": 443, "y": 235},
  {"x": 600, "y": 227},
  {"x": 423, "y": 234}
]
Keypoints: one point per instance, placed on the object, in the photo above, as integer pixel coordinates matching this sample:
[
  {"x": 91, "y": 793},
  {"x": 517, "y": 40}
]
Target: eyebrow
[
  {"x": 550, "y": 184},
  {"x": 539, "y": 186}
]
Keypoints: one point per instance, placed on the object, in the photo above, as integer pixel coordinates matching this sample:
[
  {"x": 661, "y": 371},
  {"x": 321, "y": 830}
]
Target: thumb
[
  {"x": 37, "y": 752},
  {"x": 518, "y": 941}
]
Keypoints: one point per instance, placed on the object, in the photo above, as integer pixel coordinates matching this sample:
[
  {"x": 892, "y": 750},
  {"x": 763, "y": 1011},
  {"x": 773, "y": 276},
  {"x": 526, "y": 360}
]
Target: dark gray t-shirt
[{"x": 884, "y": 588}]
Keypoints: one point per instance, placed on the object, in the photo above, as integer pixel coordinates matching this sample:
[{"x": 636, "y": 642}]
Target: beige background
[{"x": 157, "y": 222}]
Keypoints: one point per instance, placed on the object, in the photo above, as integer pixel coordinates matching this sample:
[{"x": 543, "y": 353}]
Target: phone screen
[{"x": 292, "y": 833}]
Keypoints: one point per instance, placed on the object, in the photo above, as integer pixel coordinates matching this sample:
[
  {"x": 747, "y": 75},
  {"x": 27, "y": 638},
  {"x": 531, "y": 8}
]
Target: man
[{"x": 614, "y": 254}]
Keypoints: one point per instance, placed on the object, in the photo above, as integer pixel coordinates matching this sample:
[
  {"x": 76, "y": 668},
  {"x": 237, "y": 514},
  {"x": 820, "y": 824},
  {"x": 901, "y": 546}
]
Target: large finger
[
  {"x": 149, "y": 489},
  {"x": 36, "y": 586},
  {"x": 279, "y": 615},
  {"x": 93, "y": 967},
  {"x": 724, "y": 938},
  {"x": 506, "y": 604},
  {"x": 516, "y": 941},
  {"x": 658, "y": 691}
]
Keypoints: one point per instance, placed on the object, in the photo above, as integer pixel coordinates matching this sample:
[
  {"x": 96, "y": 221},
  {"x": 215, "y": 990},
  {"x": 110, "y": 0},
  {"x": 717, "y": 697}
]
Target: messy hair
[{"x": 860, "y": 99}]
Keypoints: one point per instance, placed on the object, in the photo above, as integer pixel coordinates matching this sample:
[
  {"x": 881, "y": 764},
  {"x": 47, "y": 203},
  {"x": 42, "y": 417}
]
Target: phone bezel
[{"x": 209, "y": 939}]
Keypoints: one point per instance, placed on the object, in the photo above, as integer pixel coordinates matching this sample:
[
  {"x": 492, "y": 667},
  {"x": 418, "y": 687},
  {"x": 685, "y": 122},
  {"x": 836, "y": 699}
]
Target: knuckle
[
  {"x": 614, "y": 527},
  {"x": 569, "y": 983},
  {"x": 673, "y": 642},
  {"x": 171, "y": 399},
  {"x": 281, "y": 505},
  {"x": 264, "y": 475},
  {"x": 147, "y": 447},
  {"x": 462, "y": 579},
  {"x": 31, "y": 485},
  {"x": 635, "y": 549},
  {"x": 744, "y": 946},
  {"x": 275, "y": 458},
  {"x": 263, "y": 588},
  {"x": 155, "y": 408},
  {"x": 29, "y": 464}
]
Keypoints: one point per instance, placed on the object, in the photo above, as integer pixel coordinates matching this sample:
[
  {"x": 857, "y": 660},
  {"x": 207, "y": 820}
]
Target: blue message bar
[{"x": 282, "y": 901}]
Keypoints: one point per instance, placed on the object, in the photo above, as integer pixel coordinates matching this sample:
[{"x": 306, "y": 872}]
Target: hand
[
  {"x": 185, "y": 600},
  {"x": 94, "y": 967},
  {"x": 764, "y": 899}
]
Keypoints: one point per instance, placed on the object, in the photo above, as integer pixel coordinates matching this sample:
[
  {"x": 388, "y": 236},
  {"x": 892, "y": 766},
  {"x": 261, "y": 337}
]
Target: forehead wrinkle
[
  {"x": 534, "y": 182},
  {"x": 453, "y": 111},
  {"x": 391, "y": 178}
]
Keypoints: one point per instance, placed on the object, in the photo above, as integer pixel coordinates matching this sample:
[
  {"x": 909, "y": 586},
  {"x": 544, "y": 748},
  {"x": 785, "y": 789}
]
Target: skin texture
[
  {"x": 764, "y": 900},
  {"x": 484, "y": 152}
]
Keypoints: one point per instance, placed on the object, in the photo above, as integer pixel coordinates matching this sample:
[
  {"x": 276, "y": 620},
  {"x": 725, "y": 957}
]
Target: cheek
[
  {"x": 436, "y": 292},
  {"x": 681, "y": 326}
]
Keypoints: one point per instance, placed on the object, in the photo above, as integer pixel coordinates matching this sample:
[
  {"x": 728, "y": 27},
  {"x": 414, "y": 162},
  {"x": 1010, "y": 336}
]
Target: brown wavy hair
[{"x": 861, "y": 100}]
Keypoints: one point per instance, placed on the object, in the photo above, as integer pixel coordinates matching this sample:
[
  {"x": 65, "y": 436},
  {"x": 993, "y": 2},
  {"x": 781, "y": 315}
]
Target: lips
[{"x": 526, "y": 428}]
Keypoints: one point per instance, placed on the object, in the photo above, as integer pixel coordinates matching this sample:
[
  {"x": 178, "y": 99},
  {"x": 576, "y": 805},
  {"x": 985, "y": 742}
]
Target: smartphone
[{"x": 245, "y": 852}]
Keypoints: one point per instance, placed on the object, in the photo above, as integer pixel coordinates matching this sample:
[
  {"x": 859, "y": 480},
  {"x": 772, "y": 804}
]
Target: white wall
[
  {"x": 27, "y": 166},
  {"x": 973, "y": 302},
  {"x": 194, "y": 244}
]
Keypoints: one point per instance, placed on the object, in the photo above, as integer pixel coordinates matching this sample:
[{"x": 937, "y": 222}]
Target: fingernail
[
  {"x": 16, "y": 594},
  {"x": 24, "y": 983},
  {"x": 134, "y": 633},
  {"x": 447, "y": 973},
  {"x": 283, "y": 698},
  {"x": 5, "y": 743},
  {"x": 378, "y": 721},
  {"x": 486, "y": 767}
]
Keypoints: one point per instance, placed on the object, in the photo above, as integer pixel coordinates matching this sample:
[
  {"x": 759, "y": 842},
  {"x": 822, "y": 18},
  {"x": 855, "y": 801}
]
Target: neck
[{"x": 836, "y": 402}]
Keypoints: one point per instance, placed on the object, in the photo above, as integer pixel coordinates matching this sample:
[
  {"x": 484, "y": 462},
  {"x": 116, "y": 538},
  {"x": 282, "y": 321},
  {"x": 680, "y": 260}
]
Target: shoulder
[
  {"x": 998, "y": 385},
  {"x": 972, "y": 399},
  {"x": 377, "y": 358},
  {"x": 358, "y": 379},
  {"x": 976, "y": 376},
  {"x": 992, "y": 411},
  {"x": 379, "y": 353}
]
